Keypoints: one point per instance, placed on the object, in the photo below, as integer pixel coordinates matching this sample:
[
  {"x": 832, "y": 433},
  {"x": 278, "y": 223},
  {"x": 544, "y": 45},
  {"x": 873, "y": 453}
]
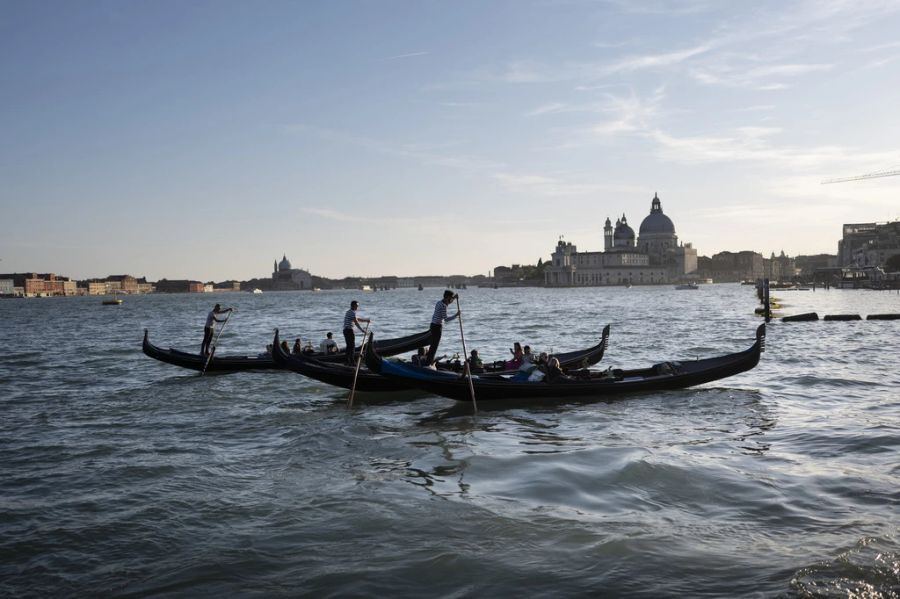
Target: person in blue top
[
  {"x": 437, "y": 324},
  {"x": 351, "y": 320},
  {"x": 210, "y": 326}
]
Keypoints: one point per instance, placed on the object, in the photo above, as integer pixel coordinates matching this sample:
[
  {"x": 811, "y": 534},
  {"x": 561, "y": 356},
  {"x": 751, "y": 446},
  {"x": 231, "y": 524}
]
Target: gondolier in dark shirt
[
  {"x": 210, "y": 326},
  {"x": 437, "y": 324},
  {"x": 351, "y": 320}
]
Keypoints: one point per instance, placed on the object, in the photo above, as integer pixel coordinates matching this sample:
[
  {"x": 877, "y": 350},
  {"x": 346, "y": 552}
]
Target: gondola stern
[
  {"x": 371, "y": 357},
  {"x": 278, "y": 355},
  {"x": 761, "y": 337},
  {"x": 146, "y": 346}
]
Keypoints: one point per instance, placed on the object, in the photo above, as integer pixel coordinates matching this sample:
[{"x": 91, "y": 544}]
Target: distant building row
[{"x": 31, "y": 284}]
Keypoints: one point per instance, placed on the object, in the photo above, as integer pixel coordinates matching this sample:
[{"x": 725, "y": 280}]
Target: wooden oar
[
  {"x": 212, "y": 348},
  {"x": 466, "y": 354},
  {"x": 362, "y": 348}
]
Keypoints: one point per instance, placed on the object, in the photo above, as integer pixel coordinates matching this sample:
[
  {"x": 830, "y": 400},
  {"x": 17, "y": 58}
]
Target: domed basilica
[
  {"x": 284, "y": 277},
  {"x": 654, "y": 256}
]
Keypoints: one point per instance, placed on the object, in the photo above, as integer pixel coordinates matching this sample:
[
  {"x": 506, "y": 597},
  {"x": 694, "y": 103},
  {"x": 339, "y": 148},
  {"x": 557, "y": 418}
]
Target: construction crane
[{"x": 873, "y": 175}]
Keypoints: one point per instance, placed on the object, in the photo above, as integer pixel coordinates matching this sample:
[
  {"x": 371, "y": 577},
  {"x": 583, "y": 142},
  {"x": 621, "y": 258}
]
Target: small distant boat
[
  {"x": 256, "y": 290},
  {"x": 420, "y": 287},
  {"x": 366, "y": 288},
  {"x": 115, "y": 301},
  {"x": 687, "y": 286},
  {"x": 315, "y": 289}
]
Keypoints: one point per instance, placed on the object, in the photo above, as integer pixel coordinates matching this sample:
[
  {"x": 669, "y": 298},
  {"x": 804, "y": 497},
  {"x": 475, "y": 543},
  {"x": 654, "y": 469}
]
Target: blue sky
[{"x": 205, "y": 139}]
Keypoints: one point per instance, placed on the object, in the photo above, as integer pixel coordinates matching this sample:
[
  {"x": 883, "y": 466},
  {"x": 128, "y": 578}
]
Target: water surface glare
[{"x": 123, "y": 476}]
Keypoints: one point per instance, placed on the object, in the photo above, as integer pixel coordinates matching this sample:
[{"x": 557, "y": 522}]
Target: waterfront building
[
  {"x": 124, "y": 283},
  {"x": 654, "y": 256},
  {"x": 724, "y": 267},
  {"x": 285, "y": 277},
  {"x": 97, "y": 288},
  {"x": 179, "y": 286},
  {"x": 42, "y": 284},
  {"x": 7, "y": 287},
  {"x": 807, "y": 265},
  {"x": 780, "y": 268},
  {"x": 869, "y": 244}
]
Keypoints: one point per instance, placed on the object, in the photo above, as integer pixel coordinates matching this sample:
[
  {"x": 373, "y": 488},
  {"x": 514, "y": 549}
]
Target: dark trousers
[
  {"x": 207, "y": 338},
  {"x": 350, "y": 340},
  {"x": 433, "y": 342}
]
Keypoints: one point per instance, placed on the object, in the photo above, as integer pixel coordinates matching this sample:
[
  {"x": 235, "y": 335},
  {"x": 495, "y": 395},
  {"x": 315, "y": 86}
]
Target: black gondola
[
  {"x": 341, "y": 375},
  {"x": 225, "y": 363},
  {"x": 580, "y": 358},
  {"x": 576, "y": 385},
  {"x": 334, "y": 373}
]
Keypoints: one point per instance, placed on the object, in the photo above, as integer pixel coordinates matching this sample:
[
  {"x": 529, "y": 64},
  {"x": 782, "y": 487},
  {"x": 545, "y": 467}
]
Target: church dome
[
  {"x": 623, "y": 230},
  {"x": 657, "y": 222},
  {"x": 285, "y": 264}
]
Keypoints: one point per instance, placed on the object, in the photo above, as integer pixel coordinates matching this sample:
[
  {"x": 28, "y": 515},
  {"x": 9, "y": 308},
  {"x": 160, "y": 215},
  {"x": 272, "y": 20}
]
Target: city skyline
[{"x": 201, "y": 141}]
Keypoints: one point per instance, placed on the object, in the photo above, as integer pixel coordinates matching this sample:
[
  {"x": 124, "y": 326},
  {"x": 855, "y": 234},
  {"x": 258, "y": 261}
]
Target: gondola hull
[
  {"x": 337, "y": 374},
  {"x": 226, "y": 363},
  {"x": 342, "y": 375},
  {"x": 592, "y": 385},
  {"x": 218, "y": 363}
]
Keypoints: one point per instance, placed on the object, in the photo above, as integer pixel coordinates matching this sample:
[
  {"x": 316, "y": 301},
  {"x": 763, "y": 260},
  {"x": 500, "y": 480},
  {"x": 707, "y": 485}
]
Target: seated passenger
[
  {"x": 420, "y": 358},
  {"x": 527, "y": 356},
  {"x": 517, "y": 358},
  {"x": 540, "y": 369},
  {"x": 297, "y": 346},
  {"x": 554, "y": 371},
  {"x": 328, "y": 344},
  {"x": 284, "y": 347},
  {"x": 475, "y": 363}
]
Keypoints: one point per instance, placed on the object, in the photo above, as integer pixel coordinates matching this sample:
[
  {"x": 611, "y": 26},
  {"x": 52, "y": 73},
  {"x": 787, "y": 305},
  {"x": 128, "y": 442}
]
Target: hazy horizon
[{"x": 204, "y": 140}]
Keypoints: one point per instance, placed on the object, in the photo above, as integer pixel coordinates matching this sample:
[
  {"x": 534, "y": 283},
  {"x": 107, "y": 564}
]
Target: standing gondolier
[
  {"x": 437, "y": 324},
  {"x": 210, "y": 326},
  {"x": 351, "y": 320}
]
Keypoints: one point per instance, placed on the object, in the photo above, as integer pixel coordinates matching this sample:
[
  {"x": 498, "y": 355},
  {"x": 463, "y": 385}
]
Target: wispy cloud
[
  {"x": 755, "y": 145},
  {"x": 755, "y": 108},
  {"x": 656, "y": 61},
  {"x": 629, "y": 113},
  {"x": 874, "y": 64},
  {"x": 409, "y": 55},
  {"x": 553, "y": 108},
  {"x": 554, "y": 186},
  {"x": 665, "y": 7},
  {"x": 768, "y": 77},
  {"x": 370, "y": 219},
  {"x": 422, "y": 153}
]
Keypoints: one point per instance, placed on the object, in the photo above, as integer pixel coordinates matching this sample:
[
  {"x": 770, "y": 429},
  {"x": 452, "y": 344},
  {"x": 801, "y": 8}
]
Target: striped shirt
[
  {"x": 440, "y": 313},
  {"x": 349, "y": 317}
]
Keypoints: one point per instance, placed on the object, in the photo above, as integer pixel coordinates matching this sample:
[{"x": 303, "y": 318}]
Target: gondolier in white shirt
[
  {"x": 437, "y": 324},
  {"x": 351, "y": 320},
  {"x": 210, "y": 326}
]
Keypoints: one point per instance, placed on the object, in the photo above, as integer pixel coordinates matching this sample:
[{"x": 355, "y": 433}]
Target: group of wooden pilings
[
  {"x": 814, "y": 316},
  {"x": 762, "y": 290}
]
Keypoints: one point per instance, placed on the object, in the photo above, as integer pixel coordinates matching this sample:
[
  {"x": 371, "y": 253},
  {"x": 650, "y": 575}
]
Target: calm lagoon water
[{"x": 122, "y": 476}]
